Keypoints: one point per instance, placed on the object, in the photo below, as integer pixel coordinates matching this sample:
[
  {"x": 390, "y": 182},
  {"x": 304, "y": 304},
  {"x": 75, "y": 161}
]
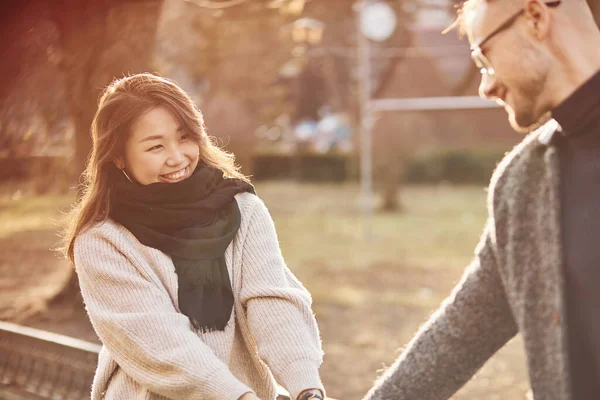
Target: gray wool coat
[{"x": 514, "y": 285}]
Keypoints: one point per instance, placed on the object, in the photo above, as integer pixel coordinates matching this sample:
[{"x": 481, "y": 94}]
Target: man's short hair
[{"x": 464, "y": 13}]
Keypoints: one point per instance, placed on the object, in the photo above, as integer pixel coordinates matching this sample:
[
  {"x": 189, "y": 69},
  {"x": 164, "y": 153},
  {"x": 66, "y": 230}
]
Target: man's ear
[
  {"x": 538, "y": 18},
  {"x": 119, "y": 162}
]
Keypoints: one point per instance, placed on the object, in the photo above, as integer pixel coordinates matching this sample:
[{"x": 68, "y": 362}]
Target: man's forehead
[{"x": 489, "y": 15}]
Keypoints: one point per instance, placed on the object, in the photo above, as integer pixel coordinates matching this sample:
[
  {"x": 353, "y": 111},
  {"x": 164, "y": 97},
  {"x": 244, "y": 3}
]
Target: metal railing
[{"x": 39, "y": 365}]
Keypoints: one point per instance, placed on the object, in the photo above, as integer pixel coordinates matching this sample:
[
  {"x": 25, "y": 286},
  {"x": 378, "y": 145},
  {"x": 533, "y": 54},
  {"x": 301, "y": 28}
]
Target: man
[{"x": 537, "y": 266}]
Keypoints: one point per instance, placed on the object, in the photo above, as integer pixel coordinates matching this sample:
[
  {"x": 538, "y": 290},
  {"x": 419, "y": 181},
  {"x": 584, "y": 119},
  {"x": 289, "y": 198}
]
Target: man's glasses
[{"x": 480, "y": 60}]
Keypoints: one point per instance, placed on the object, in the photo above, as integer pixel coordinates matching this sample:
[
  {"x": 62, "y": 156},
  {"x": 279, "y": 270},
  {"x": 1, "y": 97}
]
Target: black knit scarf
[{"x": 192, "y": 221}]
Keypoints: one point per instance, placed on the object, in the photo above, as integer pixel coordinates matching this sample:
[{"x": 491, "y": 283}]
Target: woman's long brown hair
[{"x": 122, "y": 102}]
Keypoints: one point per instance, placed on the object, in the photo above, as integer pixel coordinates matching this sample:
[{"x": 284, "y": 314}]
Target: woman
[{"x": 179, "y": 263}]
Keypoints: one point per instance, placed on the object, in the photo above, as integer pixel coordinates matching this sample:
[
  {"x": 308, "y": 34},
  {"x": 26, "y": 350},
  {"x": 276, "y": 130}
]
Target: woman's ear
[{"x": 119, "y": 162}]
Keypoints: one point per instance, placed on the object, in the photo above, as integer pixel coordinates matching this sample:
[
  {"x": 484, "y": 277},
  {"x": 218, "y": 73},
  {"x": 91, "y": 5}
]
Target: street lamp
[
  {"x": 290, "y": 7},
  {"x": 375, "y": 20},
  {"x": 307, "y": 31}
]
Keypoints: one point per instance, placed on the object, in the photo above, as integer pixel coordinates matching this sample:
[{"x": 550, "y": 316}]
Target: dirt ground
[{"x": 367, "y": 308}]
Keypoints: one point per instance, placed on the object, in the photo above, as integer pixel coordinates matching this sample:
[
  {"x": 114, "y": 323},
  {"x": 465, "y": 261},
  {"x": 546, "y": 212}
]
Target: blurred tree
[
  {"x": 27, "y": 53},
  {"x": 310, "y": 93},
  {"x": 240, "y": 53},
  {"x": 232, "y": 66},
  {"x": 97, "y": 41},
  {"x": 338, "y": 56},
  {"x": 101, "y": 40},
  {"x": 89, "y": 41},
  {"x": 397, "y": 135}
]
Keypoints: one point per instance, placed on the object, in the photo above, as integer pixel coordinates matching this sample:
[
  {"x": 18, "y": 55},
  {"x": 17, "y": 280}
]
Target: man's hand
[{"x": 310, "y": 390}]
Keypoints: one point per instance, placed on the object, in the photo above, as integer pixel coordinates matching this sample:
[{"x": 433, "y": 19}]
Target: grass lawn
[{"x": 370, "y": 294}]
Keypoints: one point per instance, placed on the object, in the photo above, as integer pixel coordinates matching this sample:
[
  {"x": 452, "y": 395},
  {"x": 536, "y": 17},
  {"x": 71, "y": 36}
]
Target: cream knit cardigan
[{"x": 151, "y": 351}]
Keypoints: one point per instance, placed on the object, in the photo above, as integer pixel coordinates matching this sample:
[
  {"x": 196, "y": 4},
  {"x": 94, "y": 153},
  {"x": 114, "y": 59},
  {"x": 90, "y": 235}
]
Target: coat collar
[{"x": 547, "y": 131}]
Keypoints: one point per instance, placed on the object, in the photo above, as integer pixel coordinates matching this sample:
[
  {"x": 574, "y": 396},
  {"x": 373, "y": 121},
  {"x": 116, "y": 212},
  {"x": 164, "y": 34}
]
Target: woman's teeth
[{"x": 176, "y": 175}]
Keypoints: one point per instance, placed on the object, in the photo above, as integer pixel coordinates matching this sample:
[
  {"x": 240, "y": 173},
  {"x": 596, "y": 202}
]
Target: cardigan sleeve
[
  {"x": 138, "y": 324},
  {"x": 278, "y": 309},
  {"x": 470, "y": 326}
]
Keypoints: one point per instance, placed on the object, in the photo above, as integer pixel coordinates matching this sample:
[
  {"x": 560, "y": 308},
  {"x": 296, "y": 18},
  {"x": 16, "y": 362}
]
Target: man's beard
[
  {"x": 531, "y": 93},
  {"x": 530, "y": 108},
  {"x": 547, "y": 116}
]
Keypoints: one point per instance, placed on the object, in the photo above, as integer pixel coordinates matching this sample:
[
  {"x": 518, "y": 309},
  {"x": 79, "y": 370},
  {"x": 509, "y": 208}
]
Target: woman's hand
[{"x": 249, "y": 396}]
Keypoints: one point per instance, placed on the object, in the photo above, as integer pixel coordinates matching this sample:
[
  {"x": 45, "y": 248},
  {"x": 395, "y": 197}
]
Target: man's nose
[{"x": 488, "y": 88}]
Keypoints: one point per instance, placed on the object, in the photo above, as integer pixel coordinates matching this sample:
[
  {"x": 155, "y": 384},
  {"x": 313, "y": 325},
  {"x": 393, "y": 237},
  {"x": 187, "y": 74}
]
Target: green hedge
[
  {"x": 454, "y": 165},
  {"x": 458, "y": 166}
]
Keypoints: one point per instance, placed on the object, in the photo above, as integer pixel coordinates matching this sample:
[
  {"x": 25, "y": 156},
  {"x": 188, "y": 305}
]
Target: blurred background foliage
[{"x": 241, "y": 60}]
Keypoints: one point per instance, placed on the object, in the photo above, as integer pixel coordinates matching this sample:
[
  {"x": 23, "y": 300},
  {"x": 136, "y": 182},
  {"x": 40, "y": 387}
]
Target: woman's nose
[{"x": 175, "y": 157}]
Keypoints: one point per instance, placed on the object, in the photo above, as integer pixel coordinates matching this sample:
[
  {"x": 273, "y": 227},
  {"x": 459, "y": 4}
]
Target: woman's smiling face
[{"x": 159, "y": 149}]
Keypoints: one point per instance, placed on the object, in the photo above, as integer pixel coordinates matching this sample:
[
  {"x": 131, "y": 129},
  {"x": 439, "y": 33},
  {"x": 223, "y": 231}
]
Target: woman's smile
[{"x": 175, "y": 176}]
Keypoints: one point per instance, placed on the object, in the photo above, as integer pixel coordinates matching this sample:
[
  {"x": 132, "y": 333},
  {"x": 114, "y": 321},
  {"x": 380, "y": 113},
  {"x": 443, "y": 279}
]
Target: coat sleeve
[
  {"x": 469, "y": 327},
  {"x": 138, "y": 323},
  {"x": 278, "y": 309}
]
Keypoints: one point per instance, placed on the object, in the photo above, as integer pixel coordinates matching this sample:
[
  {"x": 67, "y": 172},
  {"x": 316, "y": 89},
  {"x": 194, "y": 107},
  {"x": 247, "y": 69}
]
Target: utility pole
[{"x": 366, "y": 122}]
